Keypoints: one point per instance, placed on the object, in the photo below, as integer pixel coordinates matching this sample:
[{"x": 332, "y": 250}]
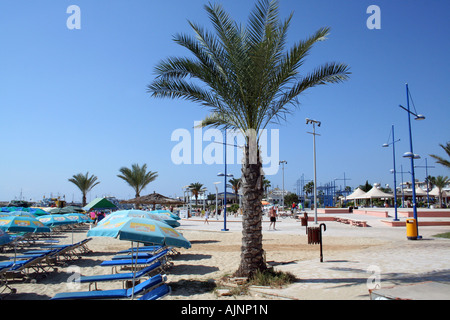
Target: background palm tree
[
  {"x": 266, "y": 186},
  {"x": 308, "y": 188},
  {"x": 365, "y": 187},
  {"x": 84, "y": 183},
  {"x": 235, "y": 185},
  {"x": 247, "y": 79},
  {"x": 440, "y": 160},
  {"x": 137, "y": 177},
  {"x": 196, "y": 188},
  {"x": 440, "y": 182}
]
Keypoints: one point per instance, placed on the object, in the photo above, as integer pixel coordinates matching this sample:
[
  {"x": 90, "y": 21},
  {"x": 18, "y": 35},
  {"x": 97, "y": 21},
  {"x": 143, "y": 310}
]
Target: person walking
[
  {"x": 206, "y": 216},
  {"x": 273, "y": 217}
]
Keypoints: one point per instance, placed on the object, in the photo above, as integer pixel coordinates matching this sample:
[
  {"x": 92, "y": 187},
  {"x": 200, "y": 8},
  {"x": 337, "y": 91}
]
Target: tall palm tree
[
  {"x": 137, "y": 177},
  {"x": 440, "y": 182},
  {"x": 84, "y": 183},
  {"x": 235, "y": 185},
  {"x": 440, "y": 160},
  {"x": 247, "y": 78},
  {"x": 196, "y": 188}
]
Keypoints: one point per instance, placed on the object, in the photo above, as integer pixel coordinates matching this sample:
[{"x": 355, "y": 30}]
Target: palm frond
[
  {"x": 137, "y": 176},
  {"x": 84, "y": 182},
  {"x": 243, "y": 75},
  {"x": 441, "y": 160}
]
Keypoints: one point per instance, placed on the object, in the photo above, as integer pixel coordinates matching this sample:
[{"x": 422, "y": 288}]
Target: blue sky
[{"x": 75, "y": 100}]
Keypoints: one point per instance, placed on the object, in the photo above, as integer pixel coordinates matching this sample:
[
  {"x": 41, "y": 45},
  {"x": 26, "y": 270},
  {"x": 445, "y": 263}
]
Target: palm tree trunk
[
  {"x": 84, "y": 199},
  {"x": 252, "y": 253}
]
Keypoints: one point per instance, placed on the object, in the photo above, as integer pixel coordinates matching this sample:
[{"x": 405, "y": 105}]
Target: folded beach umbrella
[
  {"x": 52, "y": 220},
  {"x": 22, "y": 224},
  {"x": 140, "y": 230}
]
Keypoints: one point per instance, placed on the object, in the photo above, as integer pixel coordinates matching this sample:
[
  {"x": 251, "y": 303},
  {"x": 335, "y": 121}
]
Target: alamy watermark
[
  {"x": 74, "y": 20},
  {"x": 207, "y": 146},
  {"x": 73, "y": 281},
  {"x": 374, "y": 280},
  {"x": 374, "y": 21}
]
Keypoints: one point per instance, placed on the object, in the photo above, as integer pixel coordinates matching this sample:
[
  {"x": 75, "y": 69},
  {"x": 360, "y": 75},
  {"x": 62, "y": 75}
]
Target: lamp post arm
[{"x": 407, "y": 110}]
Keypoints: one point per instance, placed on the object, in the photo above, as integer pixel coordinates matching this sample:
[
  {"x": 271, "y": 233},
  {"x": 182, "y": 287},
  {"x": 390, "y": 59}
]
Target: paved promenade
[{"x": 397, "y": 261}]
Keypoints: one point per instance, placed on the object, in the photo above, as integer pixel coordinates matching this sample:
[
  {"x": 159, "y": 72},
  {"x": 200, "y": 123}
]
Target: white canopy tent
[
  {"x": 420, "y": 192},
  {"x": 375, "y": 193},
  {"x": 435, "y": 193},
  {"x": 356, "y": 194}
]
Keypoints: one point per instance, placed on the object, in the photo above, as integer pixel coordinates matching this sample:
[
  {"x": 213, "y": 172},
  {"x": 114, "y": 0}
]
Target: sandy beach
[{"x": 355, "y": 259}]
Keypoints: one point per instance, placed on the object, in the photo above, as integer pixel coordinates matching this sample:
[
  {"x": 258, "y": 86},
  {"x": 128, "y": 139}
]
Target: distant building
[{"x": 276, "y": 195}]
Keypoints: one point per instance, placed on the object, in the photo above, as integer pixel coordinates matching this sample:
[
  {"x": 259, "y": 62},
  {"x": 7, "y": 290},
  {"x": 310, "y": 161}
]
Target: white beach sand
[{"x": 354, "y": 259}]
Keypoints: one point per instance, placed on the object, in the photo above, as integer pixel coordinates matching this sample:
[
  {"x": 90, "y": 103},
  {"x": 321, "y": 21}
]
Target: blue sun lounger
[
  {"x": 33, "y": 265},
  {"x": 129, "y": 262},
  {"x": 29, "y": 261},
  {"x": 4, "y": 267},
  {"x": 141, "y": 288},
  {"x": 36, "y": 253},
  {"x": 157, "y": 293},
  {"x": 140, "y": 255},
  {"x": 66, "y": 251},
  {"x": 118, "y": 276},
  {"x": 142, "y": 249}
]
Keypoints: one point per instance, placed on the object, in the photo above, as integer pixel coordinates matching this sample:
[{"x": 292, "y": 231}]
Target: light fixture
[{"x": 419, "y": 117}]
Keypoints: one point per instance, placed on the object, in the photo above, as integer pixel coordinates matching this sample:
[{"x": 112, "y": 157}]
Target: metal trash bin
[
  {"x": 313, "y": 235},
  {"x": 411, "y": 229},
  {"x": 304, "y": 221}
]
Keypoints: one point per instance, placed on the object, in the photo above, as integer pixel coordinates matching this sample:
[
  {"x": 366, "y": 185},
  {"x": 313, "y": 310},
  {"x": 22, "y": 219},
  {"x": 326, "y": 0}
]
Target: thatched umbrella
[{"x": 154, "y": 198}]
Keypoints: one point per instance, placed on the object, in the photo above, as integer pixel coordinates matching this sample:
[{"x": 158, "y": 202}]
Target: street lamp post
[
  {"x": 186, "y": 192},
  {"x": 283, "y": 162},
  {"x": 314, "y": 122},
  {"x": 403, "y": 194},
  {"x": 395, "y": 171},
  {"x": 204, "y": 197},
  {"x": 217, "y": 195},
  {"x": 412, "y": 156},
  {"x": 225, "y": 198}
]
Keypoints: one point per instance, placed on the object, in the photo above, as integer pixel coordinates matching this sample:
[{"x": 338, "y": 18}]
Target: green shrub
[{"x": 272, "y": 278}]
